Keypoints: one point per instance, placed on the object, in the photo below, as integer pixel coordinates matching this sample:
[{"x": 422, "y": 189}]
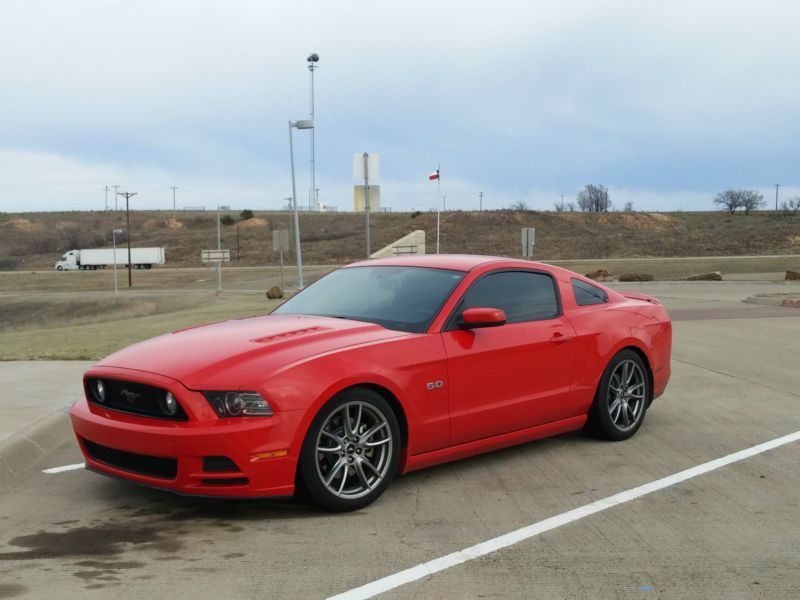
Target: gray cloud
[{"x": 664, "y": 102}]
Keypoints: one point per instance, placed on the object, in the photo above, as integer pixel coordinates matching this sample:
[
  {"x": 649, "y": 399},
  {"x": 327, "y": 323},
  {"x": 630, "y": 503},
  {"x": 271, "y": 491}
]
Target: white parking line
[
  {"x": 426, "y": 569},
  {"x": 64, "y": 468}
]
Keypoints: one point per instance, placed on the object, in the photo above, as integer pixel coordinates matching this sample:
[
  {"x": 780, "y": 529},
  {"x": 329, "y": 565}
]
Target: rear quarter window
[{"x": 587, "y": 294}]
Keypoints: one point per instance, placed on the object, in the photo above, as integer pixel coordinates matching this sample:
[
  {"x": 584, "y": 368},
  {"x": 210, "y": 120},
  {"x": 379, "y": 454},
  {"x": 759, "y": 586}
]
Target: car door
[{"x": 514, "y": 376}]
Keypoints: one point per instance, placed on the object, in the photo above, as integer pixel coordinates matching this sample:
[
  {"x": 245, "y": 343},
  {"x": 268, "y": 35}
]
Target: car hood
[{"x": 243, "y": 351}]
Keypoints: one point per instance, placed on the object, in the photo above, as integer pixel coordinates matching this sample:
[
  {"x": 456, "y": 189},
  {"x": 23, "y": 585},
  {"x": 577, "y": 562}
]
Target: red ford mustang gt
[{"x": 379, "y": 368}]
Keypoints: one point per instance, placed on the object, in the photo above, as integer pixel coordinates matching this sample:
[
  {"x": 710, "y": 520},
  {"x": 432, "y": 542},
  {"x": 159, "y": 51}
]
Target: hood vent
[{"x": 288, "y": 334}]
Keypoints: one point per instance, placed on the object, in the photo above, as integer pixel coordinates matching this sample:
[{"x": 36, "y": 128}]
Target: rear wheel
[
  {"x": 621, "y": 399},
  {"x": 351, "y": 451}
]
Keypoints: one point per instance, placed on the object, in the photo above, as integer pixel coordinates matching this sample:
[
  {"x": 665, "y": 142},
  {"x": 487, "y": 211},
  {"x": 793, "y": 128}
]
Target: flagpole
[{"x": 438, "y": 207}]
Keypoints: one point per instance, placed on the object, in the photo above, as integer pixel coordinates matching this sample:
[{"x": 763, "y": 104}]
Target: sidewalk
[{"x": 35, "y": 397}]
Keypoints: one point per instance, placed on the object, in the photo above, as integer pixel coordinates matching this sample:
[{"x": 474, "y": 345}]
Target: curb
[
  {"x": 774, "y": 301},
  {"x": 25, "y": 448}
]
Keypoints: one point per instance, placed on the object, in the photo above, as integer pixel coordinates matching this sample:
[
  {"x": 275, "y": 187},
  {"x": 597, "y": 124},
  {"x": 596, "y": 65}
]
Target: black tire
[
  {"x": 59, "y": 268},
  {"x": 619, "y": 407},
  {"x": 383, "y": 452}
]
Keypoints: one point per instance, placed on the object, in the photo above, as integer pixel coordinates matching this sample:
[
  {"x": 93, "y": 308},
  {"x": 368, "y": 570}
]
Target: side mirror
[{"x": 474, "y": 318}]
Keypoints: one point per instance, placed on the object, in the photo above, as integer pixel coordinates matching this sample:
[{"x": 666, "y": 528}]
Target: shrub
[
  {"x": 227, "y": 220},
  {"x": 415, "y": 214},
  {"x": 246, "y": 214}
]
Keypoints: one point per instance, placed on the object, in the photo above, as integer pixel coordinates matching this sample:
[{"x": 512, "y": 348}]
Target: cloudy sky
[{"x": 665, "y": 103}]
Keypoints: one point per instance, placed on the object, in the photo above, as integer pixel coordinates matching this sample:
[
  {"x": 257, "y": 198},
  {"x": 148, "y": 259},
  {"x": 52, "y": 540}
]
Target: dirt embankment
[{"x": 36, "y": 240}]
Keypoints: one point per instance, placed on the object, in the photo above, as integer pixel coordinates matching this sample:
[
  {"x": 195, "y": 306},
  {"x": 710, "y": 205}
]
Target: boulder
[
  {"x": 713, "y": 276},
  {"x": 636, "y": 277},
  {"x": 792, "y": 275},
  {"x": 599, "y": 275},
  {"x": 274, "y": 293}
]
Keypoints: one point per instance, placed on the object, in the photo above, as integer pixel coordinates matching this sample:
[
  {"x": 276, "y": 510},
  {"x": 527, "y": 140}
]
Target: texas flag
[{"x": 434, "y": 176}]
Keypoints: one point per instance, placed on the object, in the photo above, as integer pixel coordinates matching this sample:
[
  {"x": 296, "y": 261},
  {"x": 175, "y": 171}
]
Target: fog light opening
[
  {"x": 170, "y": 404},
  {"x": 100, "y": 390}
]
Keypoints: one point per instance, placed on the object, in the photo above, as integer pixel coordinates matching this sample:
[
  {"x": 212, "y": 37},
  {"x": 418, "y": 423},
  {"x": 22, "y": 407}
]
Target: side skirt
[{"x": 435, "y": 457}]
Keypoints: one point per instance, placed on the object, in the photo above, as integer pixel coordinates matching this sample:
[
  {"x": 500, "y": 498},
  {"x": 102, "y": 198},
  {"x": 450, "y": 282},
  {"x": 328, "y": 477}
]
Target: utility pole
[
  {"x": 116, "y": 193},
  {"x": 128, "y": 196},
  {"x": 480, "y": 201},
  {"x": 173, "y": 200},
  {"x": 777, "y": 185},
  {"x": 106, "y": 205}
]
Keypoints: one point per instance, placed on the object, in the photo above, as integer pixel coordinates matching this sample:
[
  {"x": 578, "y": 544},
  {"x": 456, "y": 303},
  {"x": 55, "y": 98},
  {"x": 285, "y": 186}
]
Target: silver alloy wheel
[
  {"x": 354, "y": 449},
  {"x": 627, "y": 391}
]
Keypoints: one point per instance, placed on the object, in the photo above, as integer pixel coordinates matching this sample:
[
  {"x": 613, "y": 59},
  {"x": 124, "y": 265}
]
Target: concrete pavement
[
  {"x": 732, "y": 533},
  {"x": 35, "y": 397}
]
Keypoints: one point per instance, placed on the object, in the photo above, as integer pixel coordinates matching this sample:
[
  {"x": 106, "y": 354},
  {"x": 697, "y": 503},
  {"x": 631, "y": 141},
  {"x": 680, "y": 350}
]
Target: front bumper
[{"x": 187, "y": 444}]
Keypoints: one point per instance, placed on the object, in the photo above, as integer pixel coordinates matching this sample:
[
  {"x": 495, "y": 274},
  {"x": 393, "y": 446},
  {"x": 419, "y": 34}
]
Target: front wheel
[
  {"x": 621, "y": 399},
  {"x": 351, "y": 451}
]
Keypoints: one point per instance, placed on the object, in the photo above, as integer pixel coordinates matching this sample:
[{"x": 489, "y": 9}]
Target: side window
[
  {"x": 587, "y": 294},
  {"x": 522, "y": 295}
]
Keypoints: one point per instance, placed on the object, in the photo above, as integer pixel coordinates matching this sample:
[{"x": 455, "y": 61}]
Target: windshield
[{"x": 401, "y": 298}]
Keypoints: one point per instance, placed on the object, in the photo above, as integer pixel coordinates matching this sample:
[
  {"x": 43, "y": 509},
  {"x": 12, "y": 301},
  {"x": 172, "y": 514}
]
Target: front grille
[
  {"x": 133, "y": 398},
  {"x": 153, "y": 466},
  {"x": 228, "y": 481}
]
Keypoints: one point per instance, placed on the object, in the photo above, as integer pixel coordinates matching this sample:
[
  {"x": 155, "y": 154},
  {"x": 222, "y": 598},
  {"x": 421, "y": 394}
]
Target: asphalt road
[{"x": 731, "y": 533}]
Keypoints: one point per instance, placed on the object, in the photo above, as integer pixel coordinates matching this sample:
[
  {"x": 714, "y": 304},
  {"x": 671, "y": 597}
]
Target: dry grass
[
  {"x": 25, "y": 312},
  {"x": 93, "y": 340},
  {"x": 676, "y": 269}
]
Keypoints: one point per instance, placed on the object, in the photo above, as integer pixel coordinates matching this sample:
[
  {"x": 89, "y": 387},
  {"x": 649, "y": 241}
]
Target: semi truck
[{"x": 91, "y": 259}]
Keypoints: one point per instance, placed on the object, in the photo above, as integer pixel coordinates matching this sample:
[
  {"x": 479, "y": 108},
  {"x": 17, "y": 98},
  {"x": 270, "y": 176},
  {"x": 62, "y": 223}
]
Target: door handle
[{"x": 560, "y": 338}]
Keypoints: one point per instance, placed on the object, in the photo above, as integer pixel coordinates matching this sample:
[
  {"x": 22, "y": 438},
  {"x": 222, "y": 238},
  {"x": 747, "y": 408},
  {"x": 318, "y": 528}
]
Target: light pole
[
  {"x": 116, "y": 193},
  {"x": 777, "y": 185},
  {"x": 302, "y": 124},
  {"x": 106, "y": 205},
  {"x": 173, "y": 200},
  {"x": 312, "y": 59},
  {"x": 219, "y": 249},
  {"x": 366, "y": 201},
  {"x": 114, "y": 233}
]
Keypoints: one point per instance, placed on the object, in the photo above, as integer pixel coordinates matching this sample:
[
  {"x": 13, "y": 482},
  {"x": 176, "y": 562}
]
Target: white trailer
[{"x": 99, "y": 258}]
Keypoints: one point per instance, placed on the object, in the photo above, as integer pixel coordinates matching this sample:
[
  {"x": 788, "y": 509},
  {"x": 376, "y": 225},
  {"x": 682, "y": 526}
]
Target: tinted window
[
  {"x": 523, "y": 296},
  {"x": 586, "y": 293},
  {"x": 402, "y": 298}
]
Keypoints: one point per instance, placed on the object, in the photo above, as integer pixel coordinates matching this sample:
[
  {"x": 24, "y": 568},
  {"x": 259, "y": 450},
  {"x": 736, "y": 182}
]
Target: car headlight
[{"x": 238, "y": 404}]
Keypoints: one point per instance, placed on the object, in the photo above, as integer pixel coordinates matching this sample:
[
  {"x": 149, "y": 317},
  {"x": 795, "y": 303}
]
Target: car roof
[{"x": 455, "y": 262}]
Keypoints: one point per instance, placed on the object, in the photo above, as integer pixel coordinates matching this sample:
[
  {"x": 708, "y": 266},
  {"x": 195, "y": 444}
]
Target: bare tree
[
  {"x": 791, "y": 206},
  {"x": 747, "y": 200},
  {"x": 559, "y": 206},
  {"x": 628, "y": 206},
  {"x": 520, "y": 205},
  {"x": 751, "y": 199},
  {"x": 593, "y": 198},
  {"x": 729, "y": 200},
  {"x": 571, "y": 206}
]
